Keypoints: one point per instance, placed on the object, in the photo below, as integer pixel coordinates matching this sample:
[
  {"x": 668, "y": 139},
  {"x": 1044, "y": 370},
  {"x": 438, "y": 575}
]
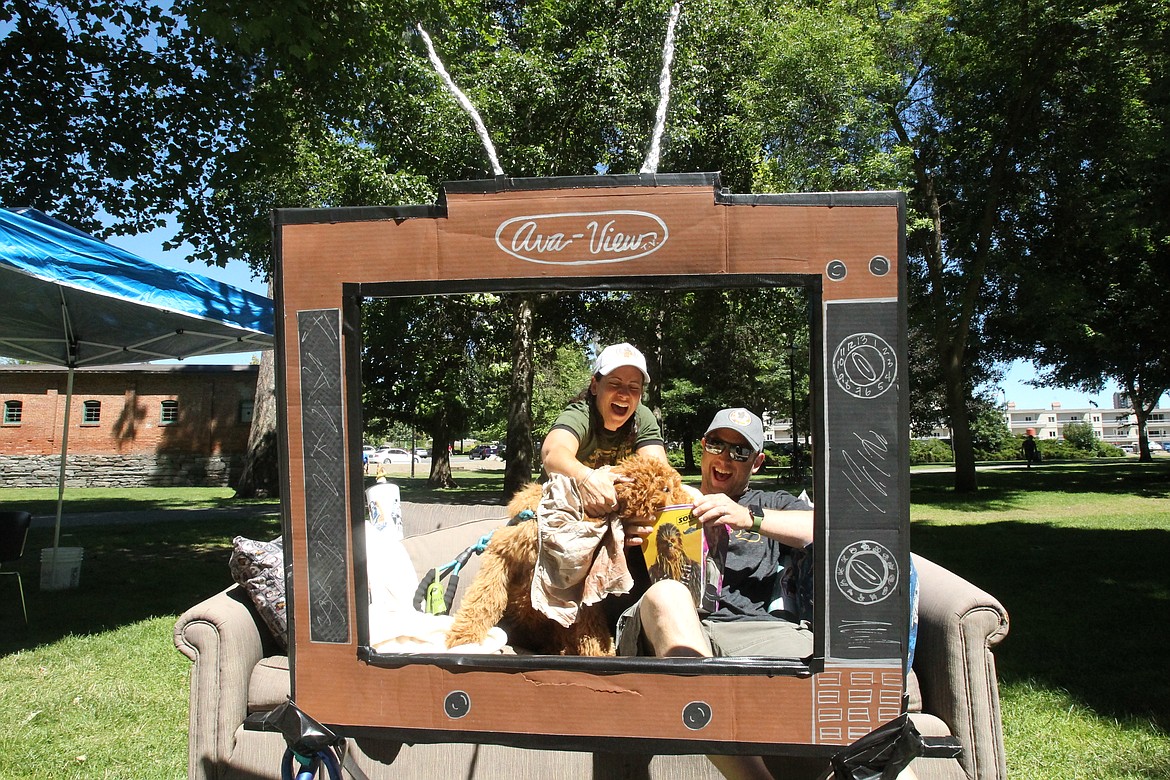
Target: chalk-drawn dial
[
  {"x": 865, "y": 365},
  {"x": 866, "y": 572}
]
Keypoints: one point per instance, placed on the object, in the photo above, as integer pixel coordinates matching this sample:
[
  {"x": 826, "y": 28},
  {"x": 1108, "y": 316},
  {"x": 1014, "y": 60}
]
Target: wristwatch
[{"x": 757, "y": 516}]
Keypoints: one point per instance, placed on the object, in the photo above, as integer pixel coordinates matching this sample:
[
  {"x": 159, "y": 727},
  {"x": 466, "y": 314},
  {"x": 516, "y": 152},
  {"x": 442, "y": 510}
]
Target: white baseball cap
[{"x": 618, "y": 355}]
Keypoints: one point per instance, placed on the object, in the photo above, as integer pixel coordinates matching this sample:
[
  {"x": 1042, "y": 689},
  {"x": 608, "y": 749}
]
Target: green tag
[{"x": 436, "y": 605}]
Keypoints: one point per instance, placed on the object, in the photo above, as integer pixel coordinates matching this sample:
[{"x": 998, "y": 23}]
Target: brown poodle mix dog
[{"x": 502, "y": 588}]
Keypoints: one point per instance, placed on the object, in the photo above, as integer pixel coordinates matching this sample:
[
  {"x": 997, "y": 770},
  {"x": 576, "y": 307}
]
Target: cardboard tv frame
[{"x": 605, "y": 233}]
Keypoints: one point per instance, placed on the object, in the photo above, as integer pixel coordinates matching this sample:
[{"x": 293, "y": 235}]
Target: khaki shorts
[{"x": 769, "y": 638}]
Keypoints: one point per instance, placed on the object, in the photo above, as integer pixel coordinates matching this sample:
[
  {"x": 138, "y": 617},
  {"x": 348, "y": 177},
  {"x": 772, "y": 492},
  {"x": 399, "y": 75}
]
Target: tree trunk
[
  {"x": 440, "y": 475},
  {"x": 966, "y": 480},
  {"x": 261, "y": 475},
  {"x": 520, "y": 456},
  {"x": 1143, "y": 406}
]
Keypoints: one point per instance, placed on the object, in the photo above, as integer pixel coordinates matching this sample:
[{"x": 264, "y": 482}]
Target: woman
[{"x": 604, "y": 424}]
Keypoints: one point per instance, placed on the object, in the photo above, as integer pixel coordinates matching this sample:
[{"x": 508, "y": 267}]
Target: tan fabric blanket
[{"x": 580, "y": 560}]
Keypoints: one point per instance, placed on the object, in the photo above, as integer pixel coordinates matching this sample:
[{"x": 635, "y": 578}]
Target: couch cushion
[
  {"x": 439, "y": 547},
  {"x": 258, "y": 568},
  {"x": 269, "y": 686},
  {"x": 914, "y": 692}
]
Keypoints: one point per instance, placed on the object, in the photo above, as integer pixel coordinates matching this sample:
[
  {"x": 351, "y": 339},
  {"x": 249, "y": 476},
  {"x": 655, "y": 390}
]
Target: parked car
[
  {"x": 392, "y": 455},
  {"x": 483, "y": 451},
  {"x": 422, "y": 452}
]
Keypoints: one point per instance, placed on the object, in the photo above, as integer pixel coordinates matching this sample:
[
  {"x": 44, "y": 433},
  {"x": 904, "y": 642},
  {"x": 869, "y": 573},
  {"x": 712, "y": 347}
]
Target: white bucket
[{"x": 62, "y": 570}]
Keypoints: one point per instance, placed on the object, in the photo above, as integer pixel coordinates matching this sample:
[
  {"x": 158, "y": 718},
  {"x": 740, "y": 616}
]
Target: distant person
[
  {"x": 1031, "y": 451},
  {"x": 604, "y": 424}
]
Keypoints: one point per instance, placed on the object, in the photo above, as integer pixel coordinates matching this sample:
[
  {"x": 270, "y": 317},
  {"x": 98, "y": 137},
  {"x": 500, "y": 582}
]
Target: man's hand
[{"x": 720, "y": 509}]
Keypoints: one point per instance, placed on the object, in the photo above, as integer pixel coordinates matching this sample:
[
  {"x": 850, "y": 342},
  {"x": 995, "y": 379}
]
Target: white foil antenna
[
  {"x": 463, "y": 101},
  {"x": 651, "y": 164}
]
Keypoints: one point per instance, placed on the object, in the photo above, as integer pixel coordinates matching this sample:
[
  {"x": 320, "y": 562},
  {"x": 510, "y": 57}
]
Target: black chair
[{"x": 13, "y": 534}]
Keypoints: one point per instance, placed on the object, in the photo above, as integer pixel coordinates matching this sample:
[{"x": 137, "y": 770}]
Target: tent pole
[{"x": 61, "y": 475}]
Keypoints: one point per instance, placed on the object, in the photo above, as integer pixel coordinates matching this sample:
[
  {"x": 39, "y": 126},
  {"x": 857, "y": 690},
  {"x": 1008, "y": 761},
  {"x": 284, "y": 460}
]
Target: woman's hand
[{"x": 598, "y": 495}]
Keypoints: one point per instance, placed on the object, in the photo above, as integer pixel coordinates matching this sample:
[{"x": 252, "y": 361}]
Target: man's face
[
  {"x": 618, "y": 395},
  {"x": 722, "y": 473}
]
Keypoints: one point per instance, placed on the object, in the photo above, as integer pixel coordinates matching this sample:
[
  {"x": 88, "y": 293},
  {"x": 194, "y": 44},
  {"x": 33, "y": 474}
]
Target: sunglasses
[{"x": 738, "y": 452}]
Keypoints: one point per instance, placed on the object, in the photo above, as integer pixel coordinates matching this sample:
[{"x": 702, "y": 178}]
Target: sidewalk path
[{"x": 74, "y": 520}]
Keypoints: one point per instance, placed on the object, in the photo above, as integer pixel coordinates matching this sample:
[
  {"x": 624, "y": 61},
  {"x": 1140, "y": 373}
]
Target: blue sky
[{"x": 149, "y": 246}]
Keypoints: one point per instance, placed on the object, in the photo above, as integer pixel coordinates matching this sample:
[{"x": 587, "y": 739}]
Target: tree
[
  {"x": 716, "y": 348},
  {"x": 79, "y": 116},
  {"x": 990, "y": 434},
  {"x": 430, "y": 364},
  {"x": 997, "y": 121},
  {"x": 1081, "y": 436},
  {"x": 521, "y": 458},
  {"x": 981, "y": 92},
  {"x": 562, "y": 373},
  {"x": 1097, "y": 272}
]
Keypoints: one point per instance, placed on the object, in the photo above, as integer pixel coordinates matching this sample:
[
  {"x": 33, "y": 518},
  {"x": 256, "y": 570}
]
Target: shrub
[
  {"x": 1081, "y": 436},
  {"x": 990, "y": 437},
  {"x": 1011, "y": 448},
  {"x": 930, "y": 451},
  {"x": 1062, "y": 449}
]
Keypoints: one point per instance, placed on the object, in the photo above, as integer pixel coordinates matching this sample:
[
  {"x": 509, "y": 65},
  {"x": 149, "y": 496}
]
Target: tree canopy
[{"x": 1031, "y": 141}]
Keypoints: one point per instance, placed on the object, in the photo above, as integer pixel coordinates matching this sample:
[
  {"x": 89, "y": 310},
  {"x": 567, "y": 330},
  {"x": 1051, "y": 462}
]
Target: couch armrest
[
  {"x": 958, "y": 626},
  {"x": 224, "y": 638}
]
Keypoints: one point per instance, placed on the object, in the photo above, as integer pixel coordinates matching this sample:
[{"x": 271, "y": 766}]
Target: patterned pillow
[{"x": 258, "y": 568}]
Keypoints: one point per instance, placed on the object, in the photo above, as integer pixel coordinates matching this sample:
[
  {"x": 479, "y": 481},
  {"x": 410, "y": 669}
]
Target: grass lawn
[
  {"x": 93, "y": 687},
  {"x": 43, "y": 501}
]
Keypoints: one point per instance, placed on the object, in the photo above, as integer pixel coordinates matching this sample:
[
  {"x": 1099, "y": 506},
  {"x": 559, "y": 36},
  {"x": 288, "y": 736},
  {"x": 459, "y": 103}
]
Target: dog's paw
[{"x": 464, "y": 635}]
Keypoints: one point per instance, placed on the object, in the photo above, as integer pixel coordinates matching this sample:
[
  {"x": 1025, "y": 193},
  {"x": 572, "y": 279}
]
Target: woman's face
[{"x": 617, "y": 395}]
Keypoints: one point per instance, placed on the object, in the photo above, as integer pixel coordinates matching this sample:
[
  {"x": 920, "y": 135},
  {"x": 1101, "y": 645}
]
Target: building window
[
  {"x": 246, "y": 410},
  {"x": 1027, "y": 418},
  {"x": 169, "y": 413},
  {"x": 13, "y": 410},
  {"x": 1096, "y": 418},
  {"x": 92, "y": 415}
]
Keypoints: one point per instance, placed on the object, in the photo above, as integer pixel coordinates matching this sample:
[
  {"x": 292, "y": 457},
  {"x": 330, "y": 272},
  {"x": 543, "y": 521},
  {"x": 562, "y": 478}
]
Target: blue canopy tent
[{"x": 73, "y": 300}]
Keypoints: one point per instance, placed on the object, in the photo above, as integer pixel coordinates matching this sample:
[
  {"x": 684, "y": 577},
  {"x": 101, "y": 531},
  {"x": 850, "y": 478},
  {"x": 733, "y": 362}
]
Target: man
[
  {"x": 1031, "y": 453},
  {"x": 665, "y": 623},
  {"x": 763, "y": 527}
]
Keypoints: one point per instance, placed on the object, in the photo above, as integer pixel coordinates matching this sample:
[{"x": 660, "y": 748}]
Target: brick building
[{"x": 132, "y": 425}]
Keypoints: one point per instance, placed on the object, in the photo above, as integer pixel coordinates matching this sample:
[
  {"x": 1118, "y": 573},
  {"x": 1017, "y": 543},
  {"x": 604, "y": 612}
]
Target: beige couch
[{"x": 240, "y": 670}]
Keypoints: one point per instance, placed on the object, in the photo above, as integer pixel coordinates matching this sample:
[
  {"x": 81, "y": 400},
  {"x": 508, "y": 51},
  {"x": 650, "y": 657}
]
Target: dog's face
[{"x": 655, "y": 486}]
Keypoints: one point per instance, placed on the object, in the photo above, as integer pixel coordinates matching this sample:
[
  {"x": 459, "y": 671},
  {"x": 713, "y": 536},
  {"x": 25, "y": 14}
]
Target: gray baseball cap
[{"x": 747, "y": 424}]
